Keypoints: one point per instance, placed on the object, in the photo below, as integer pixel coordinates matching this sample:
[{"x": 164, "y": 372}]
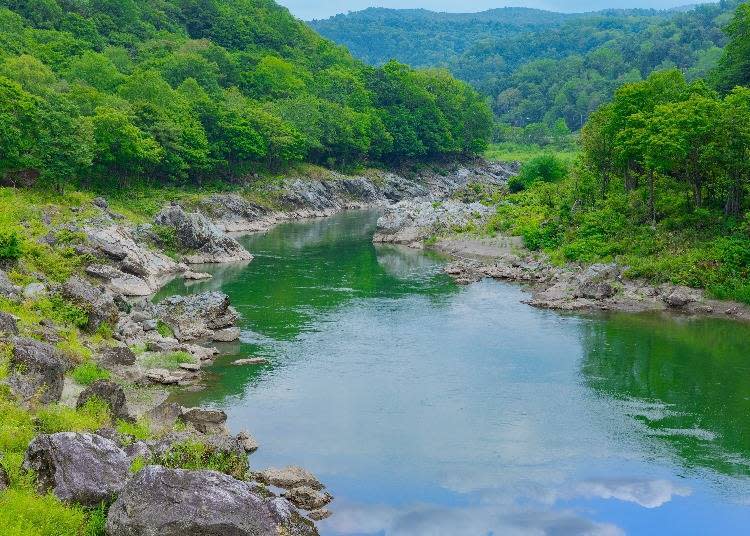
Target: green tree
[{"x": 121, "y": 149}]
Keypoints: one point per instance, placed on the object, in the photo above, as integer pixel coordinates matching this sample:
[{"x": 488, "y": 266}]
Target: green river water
[{"x": 433, "y": 409}]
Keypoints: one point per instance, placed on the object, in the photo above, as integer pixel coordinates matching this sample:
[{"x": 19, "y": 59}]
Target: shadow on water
[
  {"x": 687, "y": 380},
  {"x": 302, "y": 272}
]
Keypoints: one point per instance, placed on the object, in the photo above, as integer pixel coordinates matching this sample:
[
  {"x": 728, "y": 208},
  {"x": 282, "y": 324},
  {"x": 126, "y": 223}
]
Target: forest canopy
[
  {"x": 182, "y": 90},
  {"x": 537, "y": 67}
]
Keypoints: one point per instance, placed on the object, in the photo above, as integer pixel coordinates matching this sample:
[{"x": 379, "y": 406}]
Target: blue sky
[{"x": 309, "y": 9}]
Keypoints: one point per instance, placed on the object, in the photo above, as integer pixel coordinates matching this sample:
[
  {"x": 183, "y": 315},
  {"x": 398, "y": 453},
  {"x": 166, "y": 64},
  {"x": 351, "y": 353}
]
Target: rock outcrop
[
  {"x": 175, "y": 502},
  {"x": 288, "y": 478},
  {"x": 109, "y": 392},
  {"x": 36, "y": 371},
  {"x": 411, "y": 222},
  {"x": 98, "y": 304},
  {"x": 204, "y": 241},
  {"x": 8, "y": 325},
  {"x": 200, "y": 316},
  {"x": 87, "y": 469},
  {"x": 206, "y": 420},
  {"x": 134, "y": 270}
]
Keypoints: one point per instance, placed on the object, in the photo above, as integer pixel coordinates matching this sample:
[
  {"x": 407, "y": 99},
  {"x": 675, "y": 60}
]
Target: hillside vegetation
[
  {"x": 538, "y": 67},
  {"x": 661, "y": 183},
  {"x": 184, "y": 90}
]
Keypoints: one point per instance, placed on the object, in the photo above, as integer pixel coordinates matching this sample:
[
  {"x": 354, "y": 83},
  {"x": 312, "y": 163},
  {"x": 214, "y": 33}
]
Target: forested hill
[
  {"x": 178, "y": 90},
  {"x": 423, "y": 38},
  {"x": 565, "y": 67}
]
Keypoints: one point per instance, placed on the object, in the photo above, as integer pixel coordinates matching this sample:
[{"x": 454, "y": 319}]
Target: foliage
[
  {"x": 176, "y": 92},
  {"x": 170, "y": 360},
  {"x": 543, "y": 168},
  {"x": 197, "y": 455},
  {"x": 56, "y": 418},
  {"x": 10, "y": 244},
  {"x": 538, "y": 67},
  {"x": 89, "y": 372}
]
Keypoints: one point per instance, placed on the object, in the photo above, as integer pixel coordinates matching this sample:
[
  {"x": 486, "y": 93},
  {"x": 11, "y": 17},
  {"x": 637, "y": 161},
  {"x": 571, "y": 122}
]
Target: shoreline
[
  {"x": 597, "y": 287},
  {"x": 156, "y": 349}
]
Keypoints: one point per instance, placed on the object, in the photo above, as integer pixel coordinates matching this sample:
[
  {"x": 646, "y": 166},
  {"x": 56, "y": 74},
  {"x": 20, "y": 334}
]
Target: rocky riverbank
[
  {"x": 603, "y": 287},
  {"x": 142, "y": 349}
]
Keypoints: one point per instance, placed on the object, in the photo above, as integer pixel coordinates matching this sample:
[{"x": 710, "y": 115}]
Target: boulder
[
  {"x": 288, "y": 478},
  {"x": 307, "y": 498},
  {"x": 205, "y": 420},
  {"x": 131, "y": 257},
  {"x": 8, "y": 325},
  {"x": 34, "y": 290},
  {"x": 199, "y": 316},
  {"x": 7, "y": 288},
  {"x": 288, "y": 520},
  {"x": 680, "y": 297},
  {"x": 36, "y": 371},
  {"x": 204, "y": 240},
  {"x": 248, "y": 442},
  {"x": 597, "y": 281},
  {"x": 119, "y": 281},
  {"x": 226, "y": 335},
  {"x": 109, "y": 392},
  {"x": 118, "y": 355},
  {"x": 411, "y": 222},
  {"x": 78, "y": 468},
  {"x": 100, "y": 202},
  {"x": 175, "y": 502},
  {"x": 99, "y": 305}
]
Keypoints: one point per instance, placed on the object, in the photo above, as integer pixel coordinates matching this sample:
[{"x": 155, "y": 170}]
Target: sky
[{"x": 317, "y": 9}]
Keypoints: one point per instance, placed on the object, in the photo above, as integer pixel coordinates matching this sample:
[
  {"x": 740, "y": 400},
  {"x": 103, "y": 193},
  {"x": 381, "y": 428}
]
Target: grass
[
  {"x": 511, "y": 152},
  {"x": 89, "y": 372},
  {"x": 171, "y": 360},
  {"x": 196, "y": 455},
  {"x": 89, "y": 418},
  {"x": 23, "y": 512}
]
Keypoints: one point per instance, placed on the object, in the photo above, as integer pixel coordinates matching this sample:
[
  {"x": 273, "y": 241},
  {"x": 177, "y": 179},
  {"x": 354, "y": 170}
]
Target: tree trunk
[
  {"x": 733, "y": 204},
  {"x": 697, "y": 193}
]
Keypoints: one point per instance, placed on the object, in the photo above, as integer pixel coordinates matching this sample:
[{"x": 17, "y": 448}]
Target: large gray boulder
[
  {"x": 8, "y": 325},
  {"x": 36, "y": 371},
  {"x": 175, "y": 502},
  {"x": 139, "y": 271},
  {"x": 98, "y": 304},
  {"x": 206, "y": 420},
  {"x": 288, "y": 477},
  {"x": 109, "y": 392},
  {"x": 86, "y": 469},
  {"x": 200, "y": 316},
  {"x": 118, "y": 355},
  {"x": 204, "y": 241}
]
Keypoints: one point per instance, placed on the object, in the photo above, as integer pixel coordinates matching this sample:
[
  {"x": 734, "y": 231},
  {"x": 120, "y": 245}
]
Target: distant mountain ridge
[{"x": 540, "y": 66}]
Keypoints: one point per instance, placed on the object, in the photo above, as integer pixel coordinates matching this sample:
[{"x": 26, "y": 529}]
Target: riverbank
[
  {"x": 448, "y": 228},
  {"x": 81, "y": 341}
]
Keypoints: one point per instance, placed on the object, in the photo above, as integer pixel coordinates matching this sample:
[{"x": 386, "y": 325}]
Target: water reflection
[
  {"x": 687, "y": 380},
  {"x": 432, "y": 409}
]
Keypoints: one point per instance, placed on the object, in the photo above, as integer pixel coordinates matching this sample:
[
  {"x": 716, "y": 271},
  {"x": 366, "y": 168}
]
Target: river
[{"x": 433, "y": 409}]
